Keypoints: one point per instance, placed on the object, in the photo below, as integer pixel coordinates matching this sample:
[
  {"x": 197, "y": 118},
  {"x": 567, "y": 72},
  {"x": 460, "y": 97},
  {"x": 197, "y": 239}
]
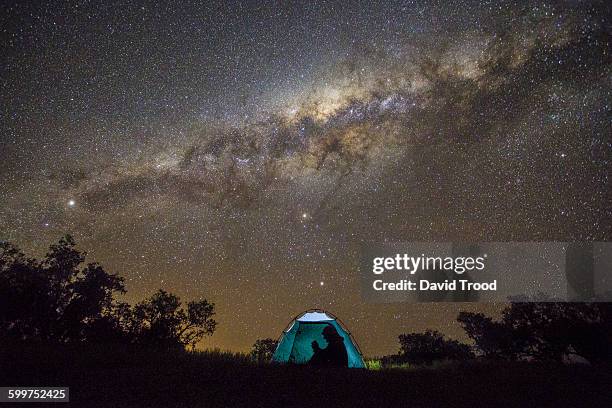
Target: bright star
[{"x": 71, "y": 203}]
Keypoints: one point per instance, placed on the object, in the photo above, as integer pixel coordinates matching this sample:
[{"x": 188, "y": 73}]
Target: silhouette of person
[{"x": 334, "y": 355}]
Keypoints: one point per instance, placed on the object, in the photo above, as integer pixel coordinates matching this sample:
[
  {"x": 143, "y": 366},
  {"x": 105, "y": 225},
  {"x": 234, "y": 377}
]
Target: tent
[{"x": 295, "y": 344}]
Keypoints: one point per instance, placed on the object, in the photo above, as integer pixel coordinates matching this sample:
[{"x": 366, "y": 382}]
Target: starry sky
[{"x": 244, "y": 152}]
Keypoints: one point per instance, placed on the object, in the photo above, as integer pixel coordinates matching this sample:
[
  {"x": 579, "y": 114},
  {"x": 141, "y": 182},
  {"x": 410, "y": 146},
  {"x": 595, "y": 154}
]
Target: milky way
[{"x": 244, "y": 153}]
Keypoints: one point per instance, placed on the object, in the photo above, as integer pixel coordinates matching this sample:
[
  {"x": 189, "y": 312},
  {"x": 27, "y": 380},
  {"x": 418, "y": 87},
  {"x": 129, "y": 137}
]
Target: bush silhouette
[
  {"x": 263, "y": 350},
  {"x": 430, "y": 346}
]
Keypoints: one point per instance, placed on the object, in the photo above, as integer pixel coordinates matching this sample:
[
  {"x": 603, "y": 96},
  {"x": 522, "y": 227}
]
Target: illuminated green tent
[{"x": 295, "y": 344}]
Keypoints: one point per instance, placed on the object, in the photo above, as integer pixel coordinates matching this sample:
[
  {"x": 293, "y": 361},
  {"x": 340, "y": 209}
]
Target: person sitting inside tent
[{"x": 334, "y": 355}]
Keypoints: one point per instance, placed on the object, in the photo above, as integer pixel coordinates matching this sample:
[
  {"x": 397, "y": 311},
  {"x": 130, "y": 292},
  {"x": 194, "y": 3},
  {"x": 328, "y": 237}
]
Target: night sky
[{"x": 243, "y": 153}]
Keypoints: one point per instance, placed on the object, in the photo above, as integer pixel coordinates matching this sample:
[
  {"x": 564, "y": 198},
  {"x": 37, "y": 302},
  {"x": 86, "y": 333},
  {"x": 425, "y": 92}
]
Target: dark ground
[{"x": 139, "y": 378}]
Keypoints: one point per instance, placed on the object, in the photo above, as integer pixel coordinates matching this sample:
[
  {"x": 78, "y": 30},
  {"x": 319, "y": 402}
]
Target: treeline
[
  {"x": 543, "y": 331},
  {"x": 59, "y": 299}
]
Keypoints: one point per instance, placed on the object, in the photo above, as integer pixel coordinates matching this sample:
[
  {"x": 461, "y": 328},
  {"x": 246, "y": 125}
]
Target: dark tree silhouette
[
  {"x": 161, "y": 321},
  {"x": 263, "y": 350},
  {"x": 546, "y": 331},
  {"x": 493, "y": 339},
  {"x": 59, "y": 300},
  {"x": 54, "y": 299},
  {"x": 425, "y": 348}
]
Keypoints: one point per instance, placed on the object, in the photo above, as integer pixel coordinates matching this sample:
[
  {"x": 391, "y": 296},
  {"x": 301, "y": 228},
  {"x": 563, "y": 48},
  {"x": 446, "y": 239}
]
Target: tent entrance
[{"x": 307, "y": 332}]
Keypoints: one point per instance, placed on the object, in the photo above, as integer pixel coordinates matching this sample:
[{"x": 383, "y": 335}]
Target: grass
[{"x": 131, "y": 377}]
